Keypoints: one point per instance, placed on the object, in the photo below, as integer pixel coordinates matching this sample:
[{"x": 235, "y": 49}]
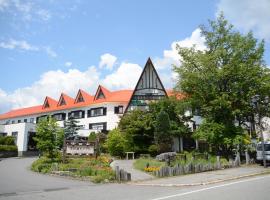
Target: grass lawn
[
  {"x": 151, "y": 164},
  {"x": 97, "y": 170}
]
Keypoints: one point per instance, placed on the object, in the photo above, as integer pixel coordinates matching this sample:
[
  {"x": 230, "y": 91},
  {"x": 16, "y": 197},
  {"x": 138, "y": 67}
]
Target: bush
[
  {"x": 8, "y": 148},
  {"x": 7, "y": 140},
  {"x": 92, "y": 137},
  {"x": 153, "y": 149},
  {"x": 116, "y": 143}
]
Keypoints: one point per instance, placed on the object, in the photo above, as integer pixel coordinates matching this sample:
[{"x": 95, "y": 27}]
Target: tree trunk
[{"x": 64, "y": 159}]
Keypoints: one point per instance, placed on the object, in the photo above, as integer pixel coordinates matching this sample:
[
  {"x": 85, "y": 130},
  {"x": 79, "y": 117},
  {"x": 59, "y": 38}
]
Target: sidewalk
[
  {"x": 205, "y": 178},
  {"x": 127, "y": 165}
]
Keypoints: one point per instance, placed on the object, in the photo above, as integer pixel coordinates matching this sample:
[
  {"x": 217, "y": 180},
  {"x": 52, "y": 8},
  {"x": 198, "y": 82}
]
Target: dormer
[
  {"x": 102, "y": 93},
  {"x": 49, "y": 103},
  {"x": 83, "y": 97},
  {"x": 65, "y": 100}
]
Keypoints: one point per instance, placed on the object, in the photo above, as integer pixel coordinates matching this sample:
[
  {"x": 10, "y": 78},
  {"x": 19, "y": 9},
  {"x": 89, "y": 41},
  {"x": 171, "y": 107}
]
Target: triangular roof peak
[
  {"x": 65, "y": 100},
  {"x": 82, "y": 96},
  {"x": 49, "y": 102},
  {"x": 101, "y": 93},
  {"x": 148, "y": 88}
]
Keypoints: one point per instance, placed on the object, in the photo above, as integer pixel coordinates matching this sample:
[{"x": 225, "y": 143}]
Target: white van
[{"x": 259, "y": 155}]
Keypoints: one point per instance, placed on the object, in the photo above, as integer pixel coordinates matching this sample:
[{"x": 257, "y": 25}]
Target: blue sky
[{"x": 54, "y": 46}]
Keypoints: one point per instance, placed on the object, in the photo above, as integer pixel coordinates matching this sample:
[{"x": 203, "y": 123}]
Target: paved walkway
[
  {"x": 210, "y": 177},
  {"x": 127, "y": 165}
]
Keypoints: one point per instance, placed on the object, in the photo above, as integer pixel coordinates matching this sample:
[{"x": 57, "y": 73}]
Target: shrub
[
  {"x": 7, "y": 140},
  {"x": 92, "y": 137},
  {"x": 153, "y": 149},
  {"x": 116, "y": 143},
  {"x": 8, "y": 148}
]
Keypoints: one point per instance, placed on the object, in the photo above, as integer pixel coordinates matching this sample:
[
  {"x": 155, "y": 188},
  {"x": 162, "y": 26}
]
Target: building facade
[{"x": 98, "y": 112}]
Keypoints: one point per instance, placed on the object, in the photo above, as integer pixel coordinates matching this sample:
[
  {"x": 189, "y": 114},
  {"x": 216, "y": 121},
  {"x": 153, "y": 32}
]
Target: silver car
[{"x": 259, "y": 155}]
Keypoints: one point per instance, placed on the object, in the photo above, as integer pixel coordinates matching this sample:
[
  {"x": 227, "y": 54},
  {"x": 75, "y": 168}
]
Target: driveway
[{"x": 15, "y": 176}]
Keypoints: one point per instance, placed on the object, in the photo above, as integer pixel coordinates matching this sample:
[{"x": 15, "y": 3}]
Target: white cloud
[
  {"x": 107, "y": 60},
  {"x": 4, "y": 4},
  {"x": 51, "y": 83},
  {"x": 50, "y": 52},
  {"x": 25, "y": 10},
  {"x": 68, "y": 64},
  {"x": 126, "y": 76},
  {"x": 248, "y": 15},
  {"x": 44, "y": 14},
  {"x": 18, "y": 44},
  {"x": 171, "y": 56},
  {"x": 24, "y": 45}
]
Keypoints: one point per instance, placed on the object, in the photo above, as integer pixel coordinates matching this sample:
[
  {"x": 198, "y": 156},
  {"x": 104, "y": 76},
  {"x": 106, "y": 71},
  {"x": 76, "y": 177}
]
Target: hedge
[
  {"x": 7, "y": 140},
  {"x": 8, "y": 148}
]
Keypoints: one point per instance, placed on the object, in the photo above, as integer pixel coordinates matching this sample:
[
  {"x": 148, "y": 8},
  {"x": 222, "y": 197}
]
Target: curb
[{"x": 200, "y": 183}]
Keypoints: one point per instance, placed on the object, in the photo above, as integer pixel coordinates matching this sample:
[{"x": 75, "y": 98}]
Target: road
[{"x": 17, "y": 182}]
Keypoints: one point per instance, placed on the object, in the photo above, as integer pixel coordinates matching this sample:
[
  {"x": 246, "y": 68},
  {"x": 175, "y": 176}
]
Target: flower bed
[{"x": 97, "y": 170}]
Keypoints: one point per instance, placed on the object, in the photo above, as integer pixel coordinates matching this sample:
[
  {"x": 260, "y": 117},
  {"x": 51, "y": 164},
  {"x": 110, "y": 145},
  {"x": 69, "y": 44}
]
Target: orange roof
[
  {"x": 177, "y": 95},
  {"x": 51, "y": 105}
]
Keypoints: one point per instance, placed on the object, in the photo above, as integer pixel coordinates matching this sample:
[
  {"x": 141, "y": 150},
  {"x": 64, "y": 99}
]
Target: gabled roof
[
  {"x": 83, "y": 95},
  {"x": 65, "y": 100},
  {"x": 49, "y": 103},
  {"x": 101, "y": 93},
  {"x": 148, "y": 83}
]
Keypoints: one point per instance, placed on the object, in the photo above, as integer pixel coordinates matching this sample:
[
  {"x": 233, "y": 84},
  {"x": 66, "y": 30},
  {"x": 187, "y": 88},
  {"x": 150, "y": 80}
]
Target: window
[
  {"x": 13, "y": 122},
  {"x": 59, "y": 116},
  {"x": 119, "y": 110},
  {"x": 19, "y": 121},
  {"x": 98, "y": 126},
  {"x": 62, "y": 102},
  {"x": 41, "y": 118},
  {"x": 31, "y": 120},
  {"x": 76, "y": 114},
  {"x": 80, "y": 98},
  {"x": 3, "y": 134},
  {"x": 25, "y": 120},
  {"x": 95, "y": 112},
  {"x": 15, "y": 135}
]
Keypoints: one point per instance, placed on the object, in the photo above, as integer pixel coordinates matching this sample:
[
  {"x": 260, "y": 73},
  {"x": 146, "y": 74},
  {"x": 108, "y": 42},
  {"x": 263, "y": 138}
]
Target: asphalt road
[{"x": 16, "y": 182}]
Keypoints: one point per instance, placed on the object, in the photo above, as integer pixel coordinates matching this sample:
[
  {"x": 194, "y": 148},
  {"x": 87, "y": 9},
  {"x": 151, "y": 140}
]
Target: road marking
[{"x": 209, "y": 188}]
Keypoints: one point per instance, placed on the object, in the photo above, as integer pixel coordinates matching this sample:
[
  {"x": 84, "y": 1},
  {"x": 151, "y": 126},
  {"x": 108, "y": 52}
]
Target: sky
[{"x": 53, "y": 46}]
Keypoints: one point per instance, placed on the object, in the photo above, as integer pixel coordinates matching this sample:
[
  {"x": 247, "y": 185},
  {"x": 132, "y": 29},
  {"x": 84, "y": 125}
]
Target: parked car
[{"x": 259, "y": 155}]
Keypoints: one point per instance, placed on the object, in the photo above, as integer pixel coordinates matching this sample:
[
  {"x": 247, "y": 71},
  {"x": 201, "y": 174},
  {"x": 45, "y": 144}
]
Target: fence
[
  {"x": 193, "y": 168},
  {"x": 122, "y": 175}
]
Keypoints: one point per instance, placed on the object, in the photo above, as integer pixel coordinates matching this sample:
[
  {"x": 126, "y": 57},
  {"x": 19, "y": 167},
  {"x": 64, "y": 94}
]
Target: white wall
[{"x": 22, "y": 129}]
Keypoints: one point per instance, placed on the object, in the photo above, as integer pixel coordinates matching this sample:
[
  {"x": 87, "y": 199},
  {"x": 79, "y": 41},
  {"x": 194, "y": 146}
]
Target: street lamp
[{"x": 256, "y": 103}]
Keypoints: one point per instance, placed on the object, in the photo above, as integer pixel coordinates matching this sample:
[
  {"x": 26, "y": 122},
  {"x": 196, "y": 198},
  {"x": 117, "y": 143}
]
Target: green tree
[
  {"x": 176, "y": 110},
  {"x": 71, "y": 128},
  {"x": 163, "y": 137},
  {"x": 116, "y": 143},
  {"x": 46, "y": 137},
  {"x": 137, "y": 126},
  {"x": 222, "y": 79}
]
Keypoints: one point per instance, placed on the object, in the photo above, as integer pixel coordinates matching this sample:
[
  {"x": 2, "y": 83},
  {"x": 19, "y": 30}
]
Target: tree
[
  {"x": 137, "y": 126},
  {"x": 222, "y": 79},
  {"x": 116, "y": 143},
  {"x": 163, "y": 136},
  {"x": 70, "y": 129},
  {"x": 176, "y": 110},
  {"x": 46, "y": 137}
]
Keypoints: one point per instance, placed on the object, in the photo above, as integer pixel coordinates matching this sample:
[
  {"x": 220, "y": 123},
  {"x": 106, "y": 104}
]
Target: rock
[{"x": 166, "y": 156}]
